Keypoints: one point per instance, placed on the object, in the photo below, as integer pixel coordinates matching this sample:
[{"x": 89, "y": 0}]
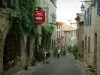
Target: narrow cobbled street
[{"x": 65, "y": 65}]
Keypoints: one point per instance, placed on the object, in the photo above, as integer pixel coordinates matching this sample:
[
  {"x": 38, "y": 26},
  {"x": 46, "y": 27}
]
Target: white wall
[{"x": 50, "y": 10}]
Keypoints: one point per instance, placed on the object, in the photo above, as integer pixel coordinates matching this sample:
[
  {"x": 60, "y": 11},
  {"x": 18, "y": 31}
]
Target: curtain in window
[{"x": 98, "y": 8}]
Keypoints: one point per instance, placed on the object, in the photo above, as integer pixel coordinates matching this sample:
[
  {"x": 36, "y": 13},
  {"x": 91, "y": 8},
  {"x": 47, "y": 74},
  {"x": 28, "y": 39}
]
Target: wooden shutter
[{"x": 98, "y": 8}]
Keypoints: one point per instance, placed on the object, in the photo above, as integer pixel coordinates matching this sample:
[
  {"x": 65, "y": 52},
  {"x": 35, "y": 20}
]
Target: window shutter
[
  {"x": 98, "y": 8},
  {"x": 87, "y": 17}
]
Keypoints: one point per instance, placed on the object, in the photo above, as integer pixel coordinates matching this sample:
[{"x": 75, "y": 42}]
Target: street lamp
[{"x": 82, "y": 8}]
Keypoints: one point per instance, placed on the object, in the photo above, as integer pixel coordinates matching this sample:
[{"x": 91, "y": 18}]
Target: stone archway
[{"x": 12, "y": 49}]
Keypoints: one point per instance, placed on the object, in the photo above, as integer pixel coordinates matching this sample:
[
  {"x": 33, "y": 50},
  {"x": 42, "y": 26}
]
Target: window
[
  {"x": 85, "y": 42},
  {"x": 57, "y": 34},
  {"x": 88, "y": 44},
  {"x": 87, "y": 16},
  {"x": 98, "y": 8}
]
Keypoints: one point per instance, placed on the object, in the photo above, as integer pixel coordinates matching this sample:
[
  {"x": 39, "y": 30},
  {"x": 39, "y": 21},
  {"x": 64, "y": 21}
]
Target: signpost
[
  {"x": 39, "y": 16},
  {"x": 39, "y": 19}
]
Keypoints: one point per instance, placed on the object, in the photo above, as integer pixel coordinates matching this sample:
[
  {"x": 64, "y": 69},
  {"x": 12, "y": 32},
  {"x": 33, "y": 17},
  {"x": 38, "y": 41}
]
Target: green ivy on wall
[{"x": 25, "y": 16}]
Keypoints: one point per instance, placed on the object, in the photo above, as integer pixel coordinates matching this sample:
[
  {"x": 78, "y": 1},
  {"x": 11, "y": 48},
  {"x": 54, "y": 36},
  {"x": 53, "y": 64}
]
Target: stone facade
[
  {"x": 4, "y": 27},
  {"x": 25, "y": 60},
  {"x": 50, "y": 8},
  {"x": 3, "y": 30},
  {"x": 70, "y": 37},
  {"x": 89, "y": 39}
]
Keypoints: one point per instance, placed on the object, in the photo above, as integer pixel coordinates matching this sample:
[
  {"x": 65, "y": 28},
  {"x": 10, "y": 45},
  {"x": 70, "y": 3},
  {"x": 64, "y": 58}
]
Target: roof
[{"x": 66, "y": 27}]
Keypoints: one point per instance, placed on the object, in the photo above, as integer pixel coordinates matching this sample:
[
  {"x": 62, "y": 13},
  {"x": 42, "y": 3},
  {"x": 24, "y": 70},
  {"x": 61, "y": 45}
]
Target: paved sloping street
[{"x": 65, "y": 65}]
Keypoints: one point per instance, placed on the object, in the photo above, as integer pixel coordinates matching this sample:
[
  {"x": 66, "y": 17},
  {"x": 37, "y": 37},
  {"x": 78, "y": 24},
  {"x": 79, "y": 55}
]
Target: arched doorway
[{"x": 12, "y": 49}]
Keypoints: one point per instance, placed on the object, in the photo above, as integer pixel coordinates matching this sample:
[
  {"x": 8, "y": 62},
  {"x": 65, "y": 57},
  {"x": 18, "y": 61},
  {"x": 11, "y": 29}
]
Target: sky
[{"x": 67, "y": 9}]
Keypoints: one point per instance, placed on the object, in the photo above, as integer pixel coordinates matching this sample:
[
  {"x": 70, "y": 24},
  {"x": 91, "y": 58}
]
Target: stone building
[
  {"x": 50, "y": 8},
  {"x": 69, "y": 35},
  {"x": 16, "y": 49},
  {"x": 59, "y": 34},
  {"x": 89, "y": 30}
]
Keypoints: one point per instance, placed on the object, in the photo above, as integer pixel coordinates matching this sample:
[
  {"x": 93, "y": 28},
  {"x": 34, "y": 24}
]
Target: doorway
[
  {"x": 12, "y": 49},
  {"x": 82, "y": 48},
  {"x": 95, "y": 50}
]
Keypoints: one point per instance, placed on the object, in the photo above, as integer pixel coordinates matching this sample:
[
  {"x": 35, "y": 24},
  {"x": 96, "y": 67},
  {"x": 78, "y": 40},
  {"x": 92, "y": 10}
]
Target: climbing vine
[{"x": 25, "y": 15}]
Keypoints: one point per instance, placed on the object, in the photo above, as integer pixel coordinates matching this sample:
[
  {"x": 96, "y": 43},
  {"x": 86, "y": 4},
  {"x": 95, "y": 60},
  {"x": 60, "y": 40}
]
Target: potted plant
[{"x": 91, "y": 70}]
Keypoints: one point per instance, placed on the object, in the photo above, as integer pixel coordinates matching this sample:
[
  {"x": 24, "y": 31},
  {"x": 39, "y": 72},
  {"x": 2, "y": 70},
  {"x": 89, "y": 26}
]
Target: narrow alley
[
  {"x": 32, "y": 31},
  {"x": 65, "y": 65}
]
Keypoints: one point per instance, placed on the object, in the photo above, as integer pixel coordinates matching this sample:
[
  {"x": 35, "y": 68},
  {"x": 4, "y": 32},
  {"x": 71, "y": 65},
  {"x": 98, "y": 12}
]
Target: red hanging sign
[{"x": 39, "y": 16}]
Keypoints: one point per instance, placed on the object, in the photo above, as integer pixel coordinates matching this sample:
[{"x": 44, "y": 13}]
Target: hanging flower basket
[{"x": 91, "y": 70}]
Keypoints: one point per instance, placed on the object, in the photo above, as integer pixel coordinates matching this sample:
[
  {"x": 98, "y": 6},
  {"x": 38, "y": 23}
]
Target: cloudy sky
[{"x": 67, "y": 9}]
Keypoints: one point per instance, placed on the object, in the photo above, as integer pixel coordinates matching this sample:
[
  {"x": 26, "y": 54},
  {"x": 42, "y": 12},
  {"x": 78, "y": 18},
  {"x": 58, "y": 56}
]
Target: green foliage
[
  {"x": 24, "y": 14},
  {"x": 12, "y": 63},
  {"x": 40, "y": 55},
  {"x": 91, "y": 69},
  {"x": 64, "y": 52},
  {"x": 48, "y": 54},
  {"x": 47, "y": 29},
  {"x": 75, "y": 51},
  {"x": 69, "y": 48}
]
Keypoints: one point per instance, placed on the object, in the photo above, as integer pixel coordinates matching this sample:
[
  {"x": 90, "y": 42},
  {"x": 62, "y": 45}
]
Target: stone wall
[
  {"x": 4, "y": 21},
  {"x": 90, "y": 31},
  {"x": 96, "y": 26},
  {"x": 4, "y": 27}
]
